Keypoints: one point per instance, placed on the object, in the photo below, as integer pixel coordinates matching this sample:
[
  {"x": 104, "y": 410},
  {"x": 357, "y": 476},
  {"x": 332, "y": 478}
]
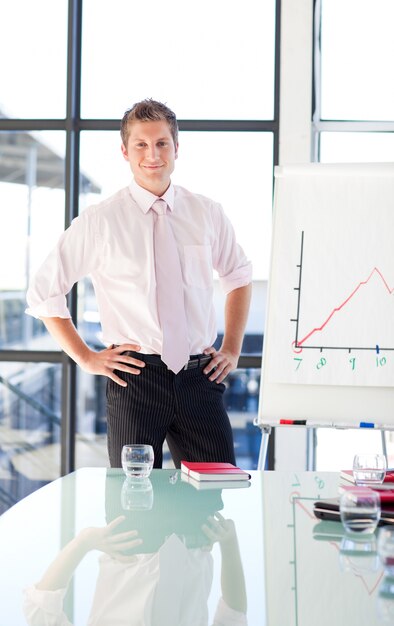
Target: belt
[{"x": 196, "y": 360}]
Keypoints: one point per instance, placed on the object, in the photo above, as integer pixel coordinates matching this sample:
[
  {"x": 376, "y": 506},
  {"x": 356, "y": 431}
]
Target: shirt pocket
[{"x": 198, "y": 266}]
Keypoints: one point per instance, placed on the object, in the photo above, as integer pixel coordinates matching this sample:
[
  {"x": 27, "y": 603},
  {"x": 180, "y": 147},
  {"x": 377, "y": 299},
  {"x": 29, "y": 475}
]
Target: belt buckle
[
  {"x": 192, "y": 363},
  {"x": 198, "y": 362}
]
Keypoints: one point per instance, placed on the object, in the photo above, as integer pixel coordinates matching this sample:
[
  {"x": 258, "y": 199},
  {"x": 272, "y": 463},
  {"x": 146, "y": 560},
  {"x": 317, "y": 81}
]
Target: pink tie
[{"x": 169, "y": 286}]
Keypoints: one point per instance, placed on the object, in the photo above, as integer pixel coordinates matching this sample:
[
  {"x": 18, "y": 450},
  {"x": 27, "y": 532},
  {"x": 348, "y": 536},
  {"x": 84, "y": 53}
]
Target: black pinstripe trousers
[{"x": 186, "y": 409}]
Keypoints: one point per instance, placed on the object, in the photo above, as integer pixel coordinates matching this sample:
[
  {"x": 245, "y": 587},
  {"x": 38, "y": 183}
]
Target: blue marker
[
  {"x": 367, "y": 425},
  {"x": 377, "y": 349}
]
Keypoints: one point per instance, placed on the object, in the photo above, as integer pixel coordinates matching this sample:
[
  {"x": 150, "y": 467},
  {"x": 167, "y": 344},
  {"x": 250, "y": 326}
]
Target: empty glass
[
  {"x": 137, "y": 460},
  {"x": 369, "y": 469},
  {"x": 360, "y": 510}
]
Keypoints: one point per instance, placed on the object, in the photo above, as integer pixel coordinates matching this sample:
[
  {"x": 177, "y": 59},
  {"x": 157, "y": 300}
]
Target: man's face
[{"x": 151, "y": 154}]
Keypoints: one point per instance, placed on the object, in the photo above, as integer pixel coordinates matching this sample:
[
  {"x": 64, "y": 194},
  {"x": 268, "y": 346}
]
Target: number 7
[{"x": 299, "y": 362}]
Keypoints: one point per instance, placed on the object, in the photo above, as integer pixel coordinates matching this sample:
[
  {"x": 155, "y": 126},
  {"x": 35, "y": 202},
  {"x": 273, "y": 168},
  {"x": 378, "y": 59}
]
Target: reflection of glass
[
  {"x": 358, "y": 554},
  {"x": 360, "y": 510},
  {"x": 385, "y": 601},
  {"x": 369, "y": 469},
  {"x": 136, "y": 495},
  {"x": 137, "y": 460},
  {"x": 386, "y": 549}
]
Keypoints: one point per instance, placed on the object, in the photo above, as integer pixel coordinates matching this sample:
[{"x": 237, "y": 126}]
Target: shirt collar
[{"x": 145, "y": 198}]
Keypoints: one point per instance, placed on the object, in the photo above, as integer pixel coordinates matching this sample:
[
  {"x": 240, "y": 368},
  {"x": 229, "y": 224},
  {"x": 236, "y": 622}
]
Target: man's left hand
[{"x": 223, "y": 362}]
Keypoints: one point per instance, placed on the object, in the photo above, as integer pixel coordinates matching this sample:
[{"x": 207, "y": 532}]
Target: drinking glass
[
  {"x": 369, "y": 469},
  {"x": 137, "y": 460},
  {"x": 360, "y": 510}
]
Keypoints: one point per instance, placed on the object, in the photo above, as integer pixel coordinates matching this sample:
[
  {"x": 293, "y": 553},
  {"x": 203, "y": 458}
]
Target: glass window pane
[
  {"x": 346, "y": 444},
  {"x": 31, "y": 220},
  {"x": 33, "y": 49},
  {"x": 355, "y": 147},
  {"x": 91, "y": 435},
  {"x": 29, "y": 428},
  {"x": 357, "y": 48},
  {"x": 211, "y": 60}
]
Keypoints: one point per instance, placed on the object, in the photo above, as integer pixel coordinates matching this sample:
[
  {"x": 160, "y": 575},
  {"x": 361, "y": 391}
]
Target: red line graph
[{"x": 338, "y": 308}]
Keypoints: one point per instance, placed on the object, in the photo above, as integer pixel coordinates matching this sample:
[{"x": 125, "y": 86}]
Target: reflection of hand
[
  {"x": 58, "y": 574},
  {"x": 104, "y": 540},
  {"x": 219, "y": 529}
]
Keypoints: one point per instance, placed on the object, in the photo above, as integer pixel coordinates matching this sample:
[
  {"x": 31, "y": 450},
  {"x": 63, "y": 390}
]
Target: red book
[
  {"x": 386, "y": 495},
  {"x": 388, "y": 482},
  {"x": 213, "y": 471}
]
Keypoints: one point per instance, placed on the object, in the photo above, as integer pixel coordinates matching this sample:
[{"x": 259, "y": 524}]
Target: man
[{"x": 164, "y": 376}]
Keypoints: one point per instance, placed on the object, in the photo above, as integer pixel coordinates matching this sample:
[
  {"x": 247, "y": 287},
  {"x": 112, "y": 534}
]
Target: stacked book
[
  {"x": 385, "y": 489},
  {"x": 214, "y": 475}
]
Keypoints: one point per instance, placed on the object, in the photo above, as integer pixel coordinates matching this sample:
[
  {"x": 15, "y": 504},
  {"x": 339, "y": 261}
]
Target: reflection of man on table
[
  {"x": 166, "y": 588},
  {"x": 157, "y": 566}
]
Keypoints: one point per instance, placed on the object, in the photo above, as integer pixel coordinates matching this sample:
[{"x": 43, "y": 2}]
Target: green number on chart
[
  {"x": 299, "y": 362},
  {"x": 352, "y": 362},
  {"x": 321, "y": 363},
  {"x": 381, "y": 362}
]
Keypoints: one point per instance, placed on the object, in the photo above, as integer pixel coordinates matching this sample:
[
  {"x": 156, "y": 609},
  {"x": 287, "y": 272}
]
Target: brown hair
[{"x": 148, "y": 110}]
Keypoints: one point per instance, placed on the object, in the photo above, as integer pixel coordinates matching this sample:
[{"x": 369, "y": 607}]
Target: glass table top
[{"x": 93, "y": 548}]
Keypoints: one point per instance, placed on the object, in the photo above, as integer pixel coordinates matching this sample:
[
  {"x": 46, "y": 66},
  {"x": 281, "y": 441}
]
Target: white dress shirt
[{"x": 112, "y": 242}]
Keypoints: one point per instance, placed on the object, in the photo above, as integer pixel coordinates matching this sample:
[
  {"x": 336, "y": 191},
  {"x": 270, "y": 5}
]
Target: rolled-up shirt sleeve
[
  {"x": 233, "y": 267},
  {"x": 69, "y": 261}
]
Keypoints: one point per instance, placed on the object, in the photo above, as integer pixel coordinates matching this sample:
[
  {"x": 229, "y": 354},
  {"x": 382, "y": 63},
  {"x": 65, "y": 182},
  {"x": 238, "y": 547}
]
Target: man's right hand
[
  {"x": 107, "y": 361},
  {"x": 104, "y": 362}
]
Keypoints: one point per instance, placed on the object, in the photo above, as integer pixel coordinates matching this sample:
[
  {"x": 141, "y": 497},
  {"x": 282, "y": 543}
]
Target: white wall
[{"x": 295, "y": 147}]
